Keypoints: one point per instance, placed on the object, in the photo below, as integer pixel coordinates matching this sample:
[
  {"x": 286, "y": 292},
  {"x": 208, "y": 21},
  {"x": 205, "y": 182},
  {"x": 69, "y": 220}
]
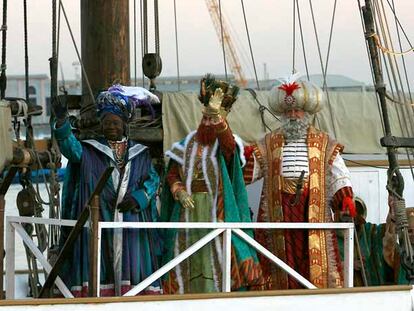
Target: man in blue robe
[{"x": 128, "y": 256}]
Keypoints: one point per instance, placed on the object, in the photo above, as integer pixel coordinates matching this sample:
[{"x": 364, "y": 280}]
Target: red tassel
[
  {"x": 289, "y": 87},
  {"x": 348, "y": 206}
]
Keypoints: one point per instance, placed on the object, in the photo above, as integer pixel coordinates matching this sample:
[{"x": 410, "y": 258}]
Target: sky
[{"x": 270, "y": 25}]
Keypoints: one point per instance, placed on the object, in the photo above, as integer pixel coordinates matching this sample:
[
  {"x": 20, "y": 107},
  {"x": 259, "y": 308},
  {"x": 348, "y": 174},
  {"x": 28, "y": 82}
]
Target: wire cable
[
  {"x": 176, "y": 47},
  {"x": 222, "y": 41},
  {"x": 250, "y": 45}
]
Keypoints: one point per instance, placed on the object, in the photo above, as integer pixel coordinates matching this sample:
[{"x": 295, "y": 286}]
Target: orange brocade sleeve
[{"x": 226, "y": 140}]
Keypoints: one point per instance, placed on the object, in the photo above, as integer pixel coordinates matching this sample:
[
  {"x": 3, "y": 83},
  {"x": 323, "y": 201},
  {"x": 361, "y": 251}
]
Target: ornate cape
[{"x": 324, "y": 268}]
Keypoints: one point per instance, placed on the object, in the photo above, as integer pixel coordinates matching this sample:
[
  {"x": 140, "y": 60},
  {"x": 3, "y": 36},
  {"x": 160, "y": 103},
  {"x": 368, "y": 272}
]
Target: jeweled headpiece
[
  {"x": 291, "y": 94},
  {"x": 208, "y": 86}
]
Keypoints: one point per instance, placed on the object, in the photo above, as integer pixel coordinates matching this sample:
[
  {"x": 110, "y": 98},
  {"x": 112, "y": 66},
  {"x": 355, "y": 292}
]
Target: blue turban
[{"x": 122, "y": 100}]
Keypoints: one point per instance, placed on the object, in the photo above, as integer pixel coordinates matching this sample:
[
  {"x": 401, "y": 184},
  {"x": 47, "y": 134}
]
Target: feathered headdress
[{"x": 123, "y": 100}]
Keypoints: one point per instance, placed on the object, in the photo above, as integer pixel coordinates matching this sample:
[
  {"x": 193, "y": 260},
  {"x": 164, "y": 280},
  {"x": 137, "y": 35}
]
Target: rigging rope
[
  {"x": 404, "y": 107},
  {"x": 294, "y": 38},
  {"x": 322, "y": 68},
  {"x": 302, "y": 40},
  {"x": 250, "y": 45},
  {"x": 3, "y": 78},
  {"x": 398, "y": 21},
  {"x": 392, "y": 61},
  {"x": 26, "y": 51},
  {"x": 145, "y": 24},
  {"x": 135, "y": 42},
  {"x": 91, "y": 107},
  {"x": 402, "y": 58},
  {"x": 141, "y": 12},
  {"x": 157, "y": 28},
  {"x": 377, "y": 12},
  {"x": 388, "y": 51},
  {"x": 262, "y": 109},
  {"x": 176, "y": 47},
  {"x": 329, "y": 44},
  {"x": 222, "y": 41}
]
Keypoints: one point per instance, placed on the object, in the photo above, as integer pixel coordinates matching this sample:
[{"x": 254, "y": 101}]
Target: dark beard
[
  {"x": 206, "y": 134},
  {"x": 294, "y": 129}
]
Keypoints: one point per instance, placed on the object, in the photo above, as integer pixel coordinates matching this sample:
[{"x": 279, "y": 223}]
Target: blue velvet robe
[{"x": 138, "y": 250}]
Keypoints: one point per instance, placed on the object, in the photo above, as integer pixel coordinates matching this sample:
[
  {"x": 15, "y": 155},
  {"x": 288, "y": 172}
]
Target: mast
[
  {"x": 105, "y": 49},
  {"x": 395, "y": 183}
]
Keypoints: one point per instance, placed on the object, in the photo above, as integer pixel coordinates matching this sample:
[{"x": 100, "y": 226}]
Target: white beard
[{"x": 294, "y": 129}]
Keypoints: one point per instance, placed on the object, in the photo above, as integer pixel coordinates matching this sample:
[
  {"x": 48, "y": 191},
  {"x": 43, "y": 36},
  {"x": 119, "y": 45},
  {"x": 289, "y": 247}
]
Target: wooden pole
[
  {"x": 105, "y": 47},
  {"x": 93, "y": 248}
]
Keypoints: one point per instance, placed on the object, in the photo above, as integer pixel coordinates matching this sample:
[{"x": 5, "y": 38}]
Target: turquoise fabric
[
  {"x": 236, "y": 209},
  {"x": 377, "y": 271}
]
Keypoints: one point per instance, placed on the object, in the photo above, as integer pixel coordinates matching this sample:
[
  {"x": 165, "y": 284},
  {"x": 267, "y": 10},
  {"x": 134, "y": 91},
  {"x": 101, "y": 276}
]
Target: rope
[
  {"x": 322, "y": 68},
  {"x": 222, "y": 41},
  {"x": 302, "y": 40},
  {"x": 176, "y": 47},
  {"x": 53, "y": 60},
  {"x": 250, "y": 45},
  {"x": 80, "y": 60},
  {"x": 404, "y": 108},
  {"x": 387, "y": 36},
  {"x": 27, "y": 121},
  {"x": 388, "y": 51},
  {"x": 294, "y": 38},
  {"x": 135, "y": 42},
  {"x": 26, "y": 51},
  {"x": 145, "y": 24},
  {"x": 22, "y": 107},
  {"x": 393, "y": 64},
  {"x": 329, "y": 44},
  {"x": 262, "y": 109},
  {"x": 3, "y": 78},
  {"x": 141, "y": 12},
  {"x": 403, "y": 58},
  {"x": 398, "y": 21},
  {"x": 157, "y": 28}
]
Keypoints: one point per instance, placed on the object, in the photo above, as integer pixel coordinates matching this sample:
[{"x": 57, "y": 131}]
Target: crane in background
[{"x": 222, "y": 31}]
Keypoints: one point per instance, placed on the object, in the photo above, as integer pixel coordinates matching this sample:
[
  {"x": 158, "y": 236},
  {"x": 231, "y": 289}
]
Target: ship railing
[{"x": 14, "y": 224}]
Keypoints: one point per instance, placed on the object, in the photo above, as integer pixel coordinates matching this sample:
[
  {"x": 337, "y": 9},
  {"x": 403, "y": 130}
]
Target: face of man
[
  {"x": 295, "y": 123},
  {"x": 112, "y": 127},
  {"x": 206, "y": 133},
  {"x": 295, "y": 114}
]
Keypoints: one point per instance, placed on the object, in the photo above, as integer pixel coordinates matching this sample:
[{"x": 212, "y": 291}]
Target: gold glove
[
  {"x": 214, "y": 103},
  {"x": 185, "y": 199}
]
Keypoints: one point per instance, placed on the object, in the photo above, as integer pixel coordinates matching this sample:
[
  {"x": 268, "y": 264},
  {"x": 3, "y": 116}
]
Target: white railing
[{"x": 13, "y": 224}]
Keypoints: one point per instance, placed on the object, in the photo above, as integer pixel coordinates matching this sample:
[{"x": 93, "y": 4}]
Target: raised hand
[
  {"x": 215, "y": 100},
  {"x": 60, "y": 109}
]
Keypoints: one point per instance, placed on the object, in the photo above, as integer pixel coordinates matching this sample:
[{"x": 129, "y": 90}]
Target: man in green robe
[{"x": 204, "y": 183}]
